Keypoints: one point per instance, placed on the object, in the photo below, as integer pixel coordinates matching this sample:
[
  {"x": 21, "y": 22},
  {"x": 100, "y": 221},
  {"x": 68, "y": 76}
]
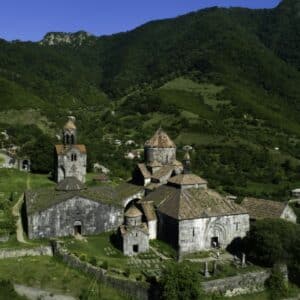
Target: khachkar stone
[
  {"x": 206, "y": 271},
  {"x": 70, "y": 157},
  {"x": 243, "y": 260},
  {"x": 215, "y": 268}
]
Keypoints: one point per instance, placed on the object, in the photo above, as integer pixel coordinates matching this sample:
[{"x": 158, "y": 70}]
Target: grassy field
[
  {"x": 50, "y": 274},
  {"x": 99, "y": 247}
]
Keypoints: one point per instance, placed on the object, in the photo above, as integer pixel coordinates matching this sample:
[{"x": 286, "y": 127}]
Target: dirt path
[
  {"x": 38, "y": 294},
  {"x": 16, "y": 211}
]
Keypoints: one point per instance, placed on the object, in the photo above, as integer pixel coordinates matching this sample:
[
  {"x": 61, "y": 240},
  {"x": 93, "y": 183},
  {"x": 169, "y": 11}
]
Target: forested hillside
[{"x": 226, "y": 81}]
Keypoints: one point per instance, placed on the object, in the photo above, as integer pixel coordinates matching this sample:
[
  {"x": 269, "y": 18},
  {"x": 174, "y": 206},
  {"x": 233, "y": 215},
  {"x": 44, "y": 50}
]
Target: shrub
[
  {"x": 83, "y": 257},
  {"x": 93, "y": 261},
  {"x": 127, "y": 272},
  {"x": 104, "y": 265},
  {"x": 277, "y": 284},
  {"x": 180, "y": 281}
]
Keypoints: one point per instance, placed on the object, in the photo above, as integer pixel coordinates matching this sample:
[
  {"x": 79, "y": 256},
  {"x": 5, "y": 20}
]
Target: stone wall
[
  {"x": 237, "y": 285},
  {"x": 135, "y": 241},
  {"x": 161, "y": 155},
  {"x": 60, "y": 219},
  {"x": 138, "y": 290},
  {"x": 12, "y": 253},
  {"x": 197, "y": 234},
  {"x": 68, "y": 168}
]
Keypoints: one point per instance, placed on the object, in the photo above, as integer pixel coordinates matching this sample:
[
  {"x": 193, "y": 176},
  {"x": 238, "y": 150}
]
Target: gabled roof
[
  {"x": 149, "y": 210},
  {"x": 261, "y": 208},
  {"x": 62, "y": 149},
  {"x": 187, "y": 179},
  {"x": 162, "y": 172},
  {"x": 184, "y": 204},
  {"x": 42, "y": 199},
  {"x": 70, "y": 184},
  {"x": 160, "y": 140},
  {"x": 144, "y": 171}
]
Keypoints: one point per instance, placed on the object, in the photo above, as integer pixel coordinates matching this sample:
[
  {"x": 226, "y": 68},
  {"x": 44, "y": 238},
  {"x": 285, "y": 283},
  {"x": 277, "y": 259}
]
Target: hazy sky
[{"x": 31, "y": 19}]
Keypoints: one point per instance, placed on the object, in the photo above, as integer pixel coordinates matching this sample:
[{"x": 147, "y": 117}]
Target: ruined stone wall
[
  {"x": 59, "y": 220},
  {"x": 135, "y": 289},
  {"x": 12, "y": 253},
  {"x": 237, "y": 285},
  {"x": 68, "y": 168},
  {"x": 196, "y": 235},
  {"x": 161, "y": 155}
]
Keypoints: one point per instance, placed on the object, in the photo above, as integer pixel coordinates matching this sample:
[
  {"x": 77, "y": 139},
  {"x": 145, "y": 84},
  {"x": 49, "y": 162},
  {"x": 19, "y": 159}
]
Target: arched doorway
[
  {"x": 215, "y": 236},
  {"x": 77, "y": 228}
]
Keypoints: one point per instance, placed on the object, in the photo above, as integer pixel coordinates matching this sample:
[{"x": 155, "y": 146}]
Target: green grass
[
  {"x": 99, "y": 247},
  {"x": 27, "y": 117},
  {"x": 164, "y": 248},
  {"x": 48, "y": 273}
]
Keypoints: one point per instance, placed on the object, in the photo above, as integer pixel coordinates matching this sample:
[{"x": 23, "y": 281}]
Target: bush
[
  {"x": 104, "y": 265},
  {"x": 181, "y": 281},
  {"x": 127, "y": 272},
  {"x": 277, "y": 284},
  {"x": 93, "y": 261},
  {"x": 83, "y": 257}
]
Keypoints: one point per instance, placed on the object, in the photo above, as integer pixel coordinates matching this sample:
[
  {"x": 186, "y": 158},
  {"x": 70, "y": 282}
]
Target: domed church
[{"x": 164, "y": 200}]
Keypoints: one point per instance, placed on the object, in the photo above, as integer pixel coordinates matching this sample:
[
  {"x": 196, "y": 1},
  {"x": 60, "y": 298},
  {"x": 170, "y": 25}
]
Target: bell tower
[
  {"x": 70, "y": 132},
  {"x": 70, "y": 159}
]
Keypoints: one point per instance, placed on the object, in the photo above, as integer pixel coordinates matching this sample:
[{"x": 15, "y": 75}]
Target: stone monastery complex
[{"x": 164, "y": 200}]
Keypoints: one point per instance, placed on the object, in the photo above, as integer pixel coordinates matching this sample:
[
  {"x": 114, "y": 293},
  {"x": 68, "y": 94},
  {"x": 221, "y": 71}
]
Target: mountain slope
[{"x": 224, "y": 80}]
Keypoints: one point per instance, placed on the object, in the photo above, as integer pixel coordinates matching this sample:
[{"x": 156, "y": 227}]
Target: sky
[{"x": 32, "y": 19}]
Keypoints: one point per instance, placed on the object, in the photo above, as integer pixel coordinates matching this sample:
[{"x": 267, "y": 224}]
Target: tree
[
  {"x": 181, "y": 282},
  {"x": 272, "y": 241}
]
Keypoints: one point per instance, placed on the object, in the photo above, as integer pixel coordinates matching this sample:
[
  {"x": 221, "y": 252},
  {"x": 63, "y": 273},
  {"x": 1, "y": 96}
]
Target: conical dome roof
[
  {"x": 70, "y": 124},
  {"x": 160, "y": 140},
  {"x": 133, "y": 212}
]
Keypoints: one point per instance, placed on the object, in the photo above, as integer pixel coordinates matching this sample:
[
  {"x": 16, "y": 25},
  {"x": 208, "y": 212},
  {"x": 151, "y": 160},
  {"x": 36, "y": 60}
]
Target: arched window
[
  {"x": 72, "y": 139},
  {"x": 67, "y": 139},
  {"x": 73, "y": 157}
]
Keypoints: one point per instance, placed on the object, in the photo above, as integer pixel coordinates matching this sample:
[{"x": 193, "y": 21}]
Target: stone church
[
  {"x": 164, "y": 200},
  {"x": 71, "y": 208},
  {"x": 187, "y": 214}
]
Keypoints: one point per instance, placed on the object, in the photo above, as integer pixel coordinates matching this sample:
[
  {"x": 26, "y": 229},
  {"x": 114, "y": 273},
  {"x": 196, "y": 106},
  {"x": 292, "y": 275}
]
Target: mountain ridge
[{"x": 233, "y": 82}]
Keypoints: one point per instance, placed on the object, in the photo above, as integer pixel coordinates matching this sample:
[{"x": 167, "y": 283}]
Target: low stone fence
[
  {"x": 237, "y": 285},
  {"x": 138, "y": 290},
  {"x": 38, "y": 251}
]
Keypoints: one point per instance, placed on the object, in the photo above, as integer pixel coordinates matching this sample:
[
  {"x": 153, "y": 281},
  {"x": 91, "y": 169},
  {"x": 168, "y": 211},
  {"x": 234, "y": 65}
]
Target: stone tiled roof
[
  {"x": 187, "y": 179},
  {"x": 149, "y": 210},
  {"x": 62, "y": 149},
  {"x": 182, "y": 204},
  {"x": 154, "y": 164},
  {"x": 160, "y": 140},
  {"x": 70, "y": 184},
  {"x": 40, "y": 200},
  {"x": 133, "y": 212},
  {"x": 127, "y": 229},
  {"x": 162, "y": 172},
  {"x": 143, "y": 169},
  {"x": 70, "y": 125},
  {"x": 261, "y": 208}
]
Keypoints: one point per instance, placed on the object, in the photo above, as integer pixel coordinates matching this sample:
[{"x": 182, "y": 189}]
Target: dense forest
[{"x": 226, "y": 81}]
